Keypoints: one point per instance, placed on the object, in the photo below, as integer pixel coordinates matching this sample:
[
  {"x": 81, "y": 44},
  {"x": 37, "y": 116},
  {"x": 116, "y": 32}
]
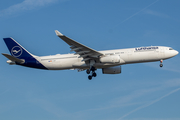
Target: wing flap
[{"x": 82, "y": 52}]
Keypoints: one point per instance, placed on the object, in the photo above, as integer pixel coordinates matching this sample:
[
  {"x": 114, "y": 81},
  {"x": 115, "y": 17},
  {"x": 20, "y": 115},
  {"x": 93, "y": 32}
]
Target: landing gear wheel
[
  {"x": 92, "y": 71},
  {"x": 94, "y": 74},
  {"x": 89, "y": 77},
  {"x": 161, "y": 65},
  {"x": 88, "y": 71},
  {"x": 93, "y": 68}
]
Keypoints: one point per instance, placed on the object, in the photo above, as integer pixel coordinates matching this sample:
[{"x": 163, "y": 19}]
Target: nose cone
[
  {"x": 176, "y": 52},
  {"x": 171, "y": 53}
]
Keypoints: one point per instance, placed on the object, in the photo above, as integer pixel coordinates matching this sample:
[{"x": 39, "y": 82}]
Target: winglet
[{"x": 58, "y": 33}]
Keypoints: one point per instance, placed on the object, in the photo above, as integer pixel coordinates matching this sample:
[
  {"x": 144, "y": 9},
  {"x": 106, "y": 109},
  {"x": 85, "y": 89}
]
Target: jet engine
[
  {"x": 110, "y": 59},
  {"x": 112, "y": 70}
]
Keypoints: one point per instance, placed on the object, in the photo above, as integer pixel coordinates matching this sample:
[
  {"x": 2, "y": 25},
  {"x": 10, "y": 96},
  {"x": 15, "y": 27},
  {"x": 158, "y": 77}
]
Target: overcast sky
[{"x": 141, "y": 92}]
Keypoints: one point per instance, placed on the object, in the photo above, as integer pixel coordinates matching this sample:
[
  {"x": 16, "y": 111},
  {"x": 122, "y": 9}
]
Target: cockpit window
[{"x": 170, "y": 49}]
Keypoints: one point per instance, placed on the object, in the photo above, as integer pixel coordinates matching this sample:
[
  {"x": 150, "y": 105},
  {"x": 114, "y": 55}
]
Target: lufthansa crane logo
[{"x": 16, "y": 51}]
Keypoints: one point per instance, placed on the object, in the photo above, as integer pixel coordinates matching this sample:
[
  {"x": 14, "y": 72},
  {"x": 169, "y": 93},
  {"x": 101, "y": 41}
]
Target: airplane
[{"x": 86, "y": 58}]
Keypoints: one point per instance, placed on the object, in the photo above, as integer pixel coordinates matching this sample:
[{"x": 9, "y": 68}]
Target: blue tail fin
[
  {"x": 16, "y": 49},
  {"x": 25, "y": 58}
]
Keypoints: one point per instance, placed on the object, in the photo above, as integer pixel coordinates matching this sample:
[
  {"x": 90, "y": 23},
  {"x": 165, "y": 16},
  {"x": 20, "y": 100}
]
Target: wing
[{"x": 85, "y": 52}]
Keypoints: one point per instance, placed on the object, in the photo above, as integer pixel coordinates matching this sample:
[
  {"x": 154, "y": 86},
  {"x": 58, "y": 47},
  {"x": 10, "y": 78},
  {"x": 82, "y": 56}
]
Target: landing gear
[
  {"x": 94, "y": 74},
  {"x": 161, "y": 65},
  {"x": 92, "y": 69},
  {"x": 88, "y": 71},
  {"x": 89, "y": 77}
]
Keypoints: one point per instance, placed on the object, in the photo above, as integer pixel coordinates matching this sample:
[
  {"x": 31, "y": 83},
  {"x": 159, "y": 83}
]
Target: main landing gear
[
  {"x": 88, "y": 71},
  {"x": 161, "y": 65}
]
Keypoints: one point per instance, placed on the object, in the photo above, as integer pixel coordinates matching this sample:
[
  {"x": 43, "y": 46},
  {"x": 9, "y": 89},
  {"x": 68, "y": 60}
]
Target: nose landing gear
[
  {"x": 88, "y": 71},
  {"x": 161, "y": 65}
]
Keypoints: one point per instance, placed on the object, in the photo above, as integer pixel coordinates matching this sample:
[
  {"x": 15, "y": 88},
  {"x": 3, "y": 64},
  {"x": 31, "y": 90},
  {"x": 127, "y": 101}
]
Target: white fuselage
[
  {"x": 86, "y": 58},
  {"x": 127, "y": 56}
]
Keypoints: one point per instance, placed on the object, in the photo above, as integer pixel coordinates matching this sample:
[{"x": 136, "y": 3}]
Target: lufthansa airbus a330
[{"x": 86, "y": 58}]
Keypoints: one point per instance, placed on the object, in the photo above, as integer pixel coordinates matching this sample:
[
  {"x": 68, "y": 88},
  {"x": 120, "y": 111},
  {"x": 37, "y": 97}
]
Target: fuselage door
[{"x": 161, "y": 52}]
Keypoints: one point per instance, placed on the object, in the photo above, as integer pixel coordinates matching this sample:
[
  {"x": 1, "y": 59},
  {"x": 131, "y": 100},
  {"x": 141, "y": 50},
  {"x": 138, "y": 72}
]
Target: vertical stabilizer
[
  {"x": 16, "y": 49},
  {"x": 20, "y": 55}
]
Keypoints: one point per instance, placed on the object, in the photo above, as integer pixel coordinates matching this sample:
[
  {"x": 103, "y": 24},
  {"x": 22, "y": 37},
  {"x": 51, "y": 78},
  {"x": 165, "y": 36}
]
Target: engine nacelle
[
  {"x": 112, "y": 70},
  {"x": 110, "y": 59}
]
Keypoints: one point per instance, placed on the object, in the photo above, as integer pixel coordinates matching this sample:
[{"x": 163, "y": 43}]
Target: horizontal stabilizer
[{"x": 13, "y": 58}]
